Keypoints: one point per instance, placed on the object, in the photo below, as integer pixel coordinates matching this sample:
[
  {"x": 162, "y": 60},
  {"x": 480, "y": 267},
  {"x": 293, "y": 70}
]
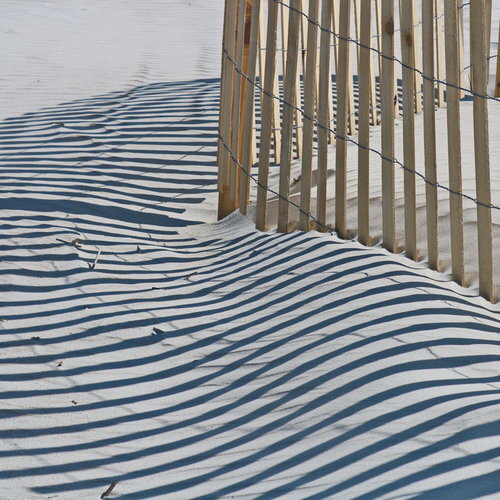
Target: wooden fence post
[
  {"x": 289, "y": 84},
  {"x": 454, "y": 146},
  {"x": 237, "y": 105},
  {"x": 479, "y": 52},
  {"x": 247, "y": 131},
  {"x": 388, "y": 110},
  {"x": 409, "y": 108},
  {"x": 497, "y": 79},
  {"x": 439, "y": 26},
  {"x": 266, "y": 117},
  {"x": 343, "y": 82},
  {"x": 430, "y": 134},
  {"x": 226, "y": 71},
  {"x": 335, "y": 68},
  {"x": 310, "y": 78},
  {"x": 226, "y": 204},
  {"x": 297, "y": 100},
  {"x": 417, "y": 61},
  {"x": 324, "y": 113},
  {"x": 365, "y": 73}
]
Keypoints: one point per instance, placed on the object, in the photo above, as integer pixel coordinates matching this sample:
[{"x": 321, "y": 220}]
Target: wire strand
[{"x": 361, "y": 146}]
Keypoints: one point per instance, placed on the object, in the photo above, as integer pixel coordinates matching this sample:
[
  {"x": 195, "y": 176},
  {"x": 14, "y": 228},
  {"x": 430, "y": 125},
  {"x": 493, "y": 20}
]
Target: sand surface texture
[{"x": 143, "y": 343}]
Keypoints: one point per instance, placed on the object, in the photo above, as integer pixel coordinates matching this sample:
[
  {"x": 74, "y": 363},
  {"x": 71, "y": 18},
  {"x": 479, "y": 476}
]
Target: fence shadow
[{"x": 211, "y": 361}]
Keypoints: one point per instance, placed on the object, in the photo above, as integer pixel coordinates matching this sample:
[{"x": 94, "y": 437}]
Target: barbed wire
[
  {"x": 384, "y": 56},
  {"x": 361, "y": 146}
]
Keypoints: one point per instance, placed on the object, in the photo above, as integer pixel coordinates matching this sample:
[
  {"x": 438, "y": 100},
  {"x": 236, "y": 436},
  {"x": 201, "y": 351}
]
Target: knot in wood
[{"x": 389, "y": 26}]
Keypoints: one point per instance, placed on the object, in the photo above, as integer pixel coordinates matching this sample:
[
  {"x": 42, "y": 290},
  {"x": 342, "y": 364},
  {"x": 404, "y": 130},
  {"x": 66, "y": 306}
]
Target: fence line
[{"x": 304, "y": 104}]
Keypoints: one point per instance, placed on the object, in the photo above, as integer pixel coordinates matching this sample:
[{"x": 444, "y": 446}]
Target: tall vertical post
[
  {"x": 248, "y": 119},
  {"x": 365, "y": 73},
  {"x": 289, "y": 84},
  {"x": 237, "y": 105},
  {"x": 341, "y": 122},
  {"x": 430, "y": 134},
  {"x": 409, "y": 108},
  {"x": 323, "y": 112},
  {"x": 267, "y": 114},
  {"x": 479, "y": 52},
  {"x": 497, "y": 79},
  {"x": 451, "y": 24},
  {"x": 226, "y": 204},
  {"x": 310, "y": 79},
  {"x": 439, "y": 26},
  {"x": 387, "y": 101}
]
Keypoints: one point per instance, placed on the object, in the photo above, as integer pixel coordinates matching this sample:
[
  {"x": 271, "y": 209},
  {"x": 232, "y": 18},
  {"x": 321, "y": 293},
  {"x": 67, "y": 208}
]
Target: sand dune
[{"x": 142, "y": 342}]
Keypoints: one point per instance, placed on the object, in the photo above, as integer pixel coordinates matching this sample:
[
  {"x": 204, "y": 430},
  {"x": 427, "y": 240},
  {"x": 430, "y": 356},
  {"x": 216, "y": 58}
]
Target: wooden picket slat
[
  {"x": 234, "y": 172},
  {"x": 310, "y": 83},
  {"x": 261, "y": 47},
  {"x": 461, "y": 59},
  {"x": 351, "y": 107},
  {"x": 343, "y": 82},
  {"x": 289, "y": 84},
  {"x": 488, "y": 26},
  {"x": 373, "y": 84},
  {"x": 497, "y": 79},
  {"x": 431, "y": 197},
  {"x": 226, "y": 205},
  {"x": 409, "y": 108},
  {"x": 454, "y": 145},
  {"x": 297, "y": 101},
  {"x": 359, "y": 48},
  {"x": 267, "y": 117},
  {"x": 351, "y": 118},
  {"x": 387, "y": 100},
  {"x": 226, "y": 74},
  {"x": 323, "y": 113},
  {"x": 357, "y": 27},
  {"x": 297, "y": 117},
  {"x": 479, "y": 52},
  {"x": 439, "y": 27},
  {"x": 365, "y": 74},
  {"x": 247, "y": 130},
  {"x": 417, "y": 55},
  {"x": 334, "y": 70},
  {"x": 378, "y": 24}
]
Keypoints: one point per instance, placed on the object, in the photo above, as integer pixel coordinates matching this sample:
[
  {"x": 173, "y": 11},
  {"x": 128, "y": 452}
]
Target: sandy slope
[{"x": 209, "y": 360}]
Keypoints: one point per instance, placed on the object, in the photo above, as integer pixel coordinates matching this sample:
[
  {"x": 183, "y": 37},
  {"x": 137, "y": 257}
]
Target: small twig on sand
[
  {"x": 92, "y": 266},
  {"x": 76, "y": 242},
  {"x": 109, "y": 490}
]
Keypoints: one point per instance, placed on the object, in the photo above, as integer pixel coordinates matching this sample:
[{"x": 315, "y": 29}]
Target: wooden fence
[{"x": 301, "y": 75}]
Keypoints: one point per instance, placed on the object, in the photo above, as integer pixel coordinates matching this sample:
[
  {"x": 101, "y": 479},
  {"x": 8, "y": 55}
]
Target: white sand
[{"x": 207, "y": 360}]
